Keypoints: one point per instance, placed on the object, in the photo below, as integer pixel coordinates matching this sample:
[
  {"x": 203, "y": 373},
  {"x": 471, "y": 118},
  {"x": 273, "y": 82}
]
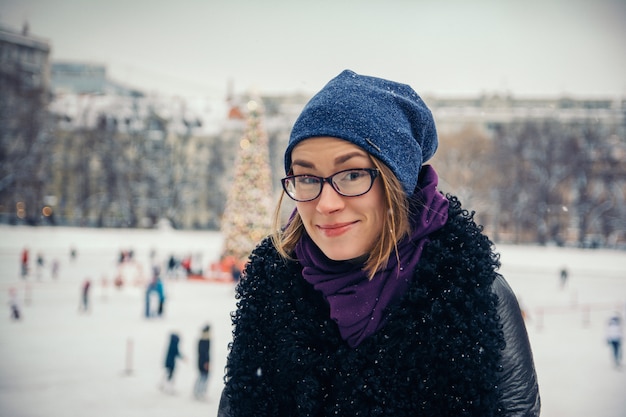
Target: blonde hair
[{"x": 395, "y": 226}]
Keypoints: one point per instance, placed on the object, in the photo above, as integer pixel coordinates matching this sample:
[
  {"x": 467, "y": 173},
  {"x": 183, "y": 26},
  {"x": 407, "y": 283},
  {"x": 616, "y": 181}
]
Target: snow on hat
[{"x": 387, "y": 119}]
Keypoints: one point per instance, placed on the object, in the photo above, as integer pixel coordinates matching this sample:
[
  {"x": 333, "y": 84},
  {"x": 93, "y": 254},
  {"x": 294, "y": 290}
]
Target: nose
[{"x": 329, "y": 200}]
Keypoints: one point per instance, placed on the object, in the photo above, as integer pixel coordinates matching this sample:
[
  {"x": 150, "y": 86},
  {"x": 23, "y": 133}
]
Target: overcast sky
[{"x": 195, "y": 47}]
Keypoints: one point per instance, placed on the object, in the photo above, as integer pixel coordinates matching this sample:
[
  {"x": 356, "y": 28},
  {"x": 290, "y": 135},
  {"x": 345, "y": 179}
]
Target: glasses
[{"x": 348, "y": 183}]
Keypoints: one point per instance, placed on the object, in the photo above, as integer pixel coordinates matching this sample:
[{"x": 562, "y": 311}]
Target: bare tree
[{"x": 559, "y": 174}]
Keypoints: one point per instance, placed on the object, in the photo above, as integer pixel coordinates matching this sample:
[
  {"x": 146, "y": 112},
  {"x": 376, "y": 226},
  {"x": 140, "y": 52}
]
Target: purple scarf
[{"x": 358, "y": 304}]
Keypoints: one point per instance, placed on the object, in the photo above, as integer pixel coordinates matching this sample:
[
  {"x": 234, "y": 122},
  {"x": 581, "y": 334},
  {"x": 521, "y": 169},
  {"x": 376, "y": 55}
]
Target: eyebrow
[{"x": 338, "y": 160}]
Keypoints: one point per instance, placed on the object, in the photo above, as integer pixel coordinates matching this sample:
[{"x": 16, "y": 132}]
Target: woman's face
[{"x": 342, "y": 227}]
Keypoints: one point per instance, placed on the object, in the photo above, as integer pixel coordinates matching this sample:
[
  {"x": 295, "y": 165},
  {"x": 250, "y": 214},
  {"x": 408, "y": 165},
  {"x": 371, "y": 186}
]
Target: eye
[
  {"x": 353, "y": 175},
  {"x": 306, "y": 180}
]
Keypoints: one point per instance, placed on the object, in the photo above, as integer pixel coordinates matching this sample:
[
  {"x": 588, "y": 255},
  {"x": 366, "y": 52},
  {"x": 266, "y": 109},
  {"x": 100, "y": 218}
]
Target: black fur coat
[{"x": 454, "y": 346}]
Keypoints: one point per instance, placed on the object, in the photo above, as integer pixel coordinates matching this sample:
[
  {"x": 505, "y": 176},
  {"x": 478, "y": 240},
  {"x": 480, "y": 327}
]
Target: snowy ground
[{"x": 60, "y": 362}]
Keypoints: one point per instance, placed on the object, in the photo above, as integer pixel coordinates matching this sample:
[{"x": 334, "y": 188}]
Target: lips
[{"x": 337, "y": 229}]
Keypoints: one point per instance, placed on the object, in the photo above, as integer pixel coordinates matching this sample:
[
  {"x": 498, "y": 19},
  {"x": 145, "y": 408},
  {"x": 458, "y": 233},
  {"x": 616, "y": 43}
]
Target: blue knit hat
[{"x": 387, "y": 119}]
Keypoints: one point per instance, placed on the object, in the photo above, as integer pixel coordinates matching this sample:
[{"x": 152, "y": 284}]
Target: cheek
[
  {"x": 378, "y": 222},
  {"x": 377, "y": 203},
  {"x": 305, "y": 214},
  {"x": 302, "y": 209}
]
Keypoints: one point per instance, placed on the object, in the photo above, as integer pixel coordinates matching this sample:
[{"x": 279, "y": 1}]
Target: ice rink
[{"x": 58, "y": 361}]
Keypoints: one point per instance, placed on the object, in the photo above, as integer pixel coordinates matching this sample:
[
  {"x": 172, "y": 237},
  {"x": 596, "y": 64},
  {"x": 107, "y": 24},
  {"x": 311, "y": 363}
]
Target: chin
[{"x": 340, "y": 254}]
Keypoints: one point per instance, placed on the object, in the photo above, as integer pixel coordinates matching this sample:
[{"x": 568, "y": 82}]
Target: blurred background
[
  {"x": 134, "y": 133},
  {"x": 127, "y": 114}
]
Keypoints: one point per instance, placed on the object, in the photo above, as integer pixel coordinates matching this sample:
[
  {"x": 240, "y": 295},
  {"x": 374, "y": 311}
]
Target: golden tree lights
[
  {"x": 20, "y": 209},
  {"x": 248, "y": 213}
]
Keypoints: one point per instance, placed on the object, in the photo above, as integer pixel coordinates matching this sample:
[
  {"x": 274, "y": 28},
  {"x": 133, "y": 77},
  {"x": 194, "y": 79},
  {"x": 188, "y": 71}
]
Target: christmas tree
[{"x": 248, "y": 212}]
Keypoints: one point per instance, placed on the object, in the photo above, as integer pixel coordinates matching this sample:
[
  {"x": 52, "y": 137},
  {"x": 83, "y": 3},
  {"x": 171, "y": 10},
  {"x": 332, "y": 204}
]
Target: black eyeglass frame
[{"x": 374, "y": 173}]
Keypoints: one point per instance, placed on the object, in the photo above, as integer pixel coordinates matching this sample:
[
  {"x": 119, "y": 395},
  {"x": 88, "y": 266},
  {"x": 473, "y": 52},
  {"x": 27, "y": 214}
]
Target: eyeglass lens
[{"x": 349, "y": 183}]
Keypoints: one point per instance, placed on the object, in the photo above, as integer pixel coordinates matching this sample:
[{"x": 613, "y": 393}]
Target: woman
[{"x": 379, "y": 297}]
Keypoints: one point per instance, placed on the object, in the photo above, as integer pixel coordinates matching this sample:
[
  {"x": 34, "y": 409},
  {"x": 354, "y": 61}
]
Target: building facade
[{"x": 24, "y": 99}]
